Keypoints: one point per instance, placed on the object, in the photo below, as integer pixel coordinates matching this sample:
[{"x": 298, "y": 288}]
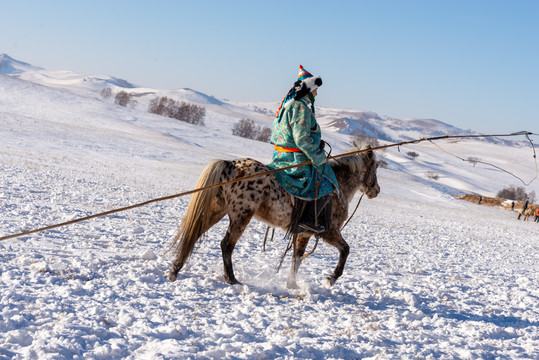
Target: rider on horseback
[{"x": 297, "y": 139}]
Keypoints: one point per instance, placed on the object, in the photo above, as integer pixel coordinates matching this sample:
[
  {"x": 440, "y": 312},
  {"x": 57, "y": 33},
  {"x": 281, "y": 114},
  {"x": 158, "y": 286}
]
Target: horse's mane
[{"x": 354, "y": 162}]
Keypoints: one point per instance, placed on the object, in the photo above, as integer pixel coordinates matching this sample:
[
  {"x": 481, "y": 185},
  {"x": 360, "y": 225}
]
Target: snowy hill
[
  {"x": 339, "y": 125},
  {"x": 335, "y": 120},
  {"x": 389, "y": 129},
  {"x": 58, "y": 78},
  {"x": 370, "y": 124},
  {"x": 428, "y": 276},
  {"x": 8, "y": 65}
]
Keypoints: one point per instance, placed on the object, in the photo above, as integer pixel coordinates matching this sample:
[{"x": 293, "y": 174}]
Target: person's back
[{"x": 297, "y": 138}]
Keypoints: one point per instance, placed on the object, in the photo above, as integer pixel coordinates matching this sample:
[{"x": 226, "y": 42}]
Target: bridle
[
  {"x": 368, "y": 176},
  {"x": 370, "y": 183}
]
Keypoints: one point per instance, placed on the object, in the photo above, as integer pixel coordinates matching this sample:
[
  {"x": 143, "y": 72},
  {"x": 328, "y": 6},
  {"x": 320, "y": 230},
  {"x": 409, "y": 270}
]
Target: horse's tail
[{"x": 197, "y": 218}]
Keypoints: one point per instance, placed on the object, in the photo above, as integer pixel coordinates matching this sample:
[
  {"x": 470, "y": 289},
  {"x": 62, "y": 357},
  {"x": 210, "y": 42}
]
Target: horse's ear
[{"x": 370, "y": 153}]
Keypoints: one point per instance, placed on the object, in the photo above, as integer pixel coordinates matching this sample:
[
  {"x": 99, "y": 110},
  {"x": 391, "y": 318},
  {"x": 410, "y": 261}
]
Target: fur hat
[{"x": 306, "y": 83}]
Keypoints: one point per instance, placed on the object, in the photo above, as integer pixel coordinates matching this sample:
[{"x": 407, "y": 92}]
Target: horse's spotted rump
[{"x": 252, "y": 196}]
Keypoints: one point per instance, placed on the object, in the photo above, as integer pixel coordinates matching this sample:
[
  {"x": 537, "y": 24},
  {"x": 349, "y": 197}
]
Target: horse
[
  {"x": 530, "y": 211},
  {"x": 264, "y": 199}
]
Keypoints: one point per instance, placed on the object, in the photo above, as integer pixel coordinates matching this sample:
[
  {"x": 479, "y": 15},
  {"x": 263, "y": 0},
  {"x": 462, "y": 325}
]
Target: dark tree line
[
  {"x": 182, "y": 111},
  {"x": 516, "y": 193}
]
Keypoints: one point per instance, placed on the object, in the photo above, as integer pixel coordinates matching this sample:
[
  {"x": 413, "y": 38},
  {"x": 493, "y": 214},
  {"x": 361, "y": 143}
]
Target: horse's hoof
[
  {"x": 329, "y": 281},
  {"x": 232, "y": 281},
  {"x": 292, "y": 285},
  {"x": 171, "y": 276}
]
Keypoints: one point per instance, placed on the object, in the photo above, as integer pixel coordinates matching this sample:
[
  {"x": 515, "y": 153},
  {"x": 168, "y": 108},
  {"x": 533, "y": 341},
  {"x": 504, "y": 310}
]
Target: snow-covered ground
[{"x": 428, "y": 277}]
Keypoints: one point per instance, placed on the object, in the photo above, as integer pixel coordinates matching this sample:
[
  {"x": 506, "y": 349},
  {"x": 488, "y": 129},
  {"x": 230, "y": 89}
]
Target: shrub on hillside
[
  {"x": 191, "y": 113},
  {"x": 412, "y": 154},
  {"x": 162, "y": 106},
  {"x": 123, "y": 98},
  {"x": 264, "y": 134},
  {"x": 431, "y": 175},
  {"x": 182, "y": 111},
  {"x": 516, "y": 193},
  {"x": 106, "y": 93},
  {"x": 360, "y": 139},
  {"x": 474, "y": 160},
  {"x": 248, "y": 129},
  {"x": 382, "y": 164}
]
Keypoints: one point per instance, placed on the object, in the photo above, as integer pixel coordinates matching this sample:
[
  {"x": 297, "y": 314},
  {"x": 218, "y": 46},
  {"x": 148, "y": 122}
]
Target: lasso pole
[{"x": 268, "y": 172}]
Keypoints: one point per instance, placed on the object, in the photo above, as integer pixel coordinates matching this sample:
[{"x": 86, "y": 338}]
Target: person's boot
[{"x": 314, "y": 216}]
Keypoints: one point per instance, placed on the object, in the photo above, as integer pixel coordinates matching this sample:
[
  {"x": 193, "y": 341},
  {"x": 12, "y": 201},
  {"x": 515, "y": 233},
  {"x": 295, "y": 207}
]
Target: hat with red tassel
[{"x": 305, "y": 84}]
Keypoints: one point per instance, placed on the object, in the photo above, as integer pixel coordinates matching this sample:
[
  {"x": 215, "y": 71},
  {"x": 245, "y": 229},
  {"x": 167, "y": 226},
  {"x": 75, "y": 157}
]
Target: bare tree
[
  {"x": 158, "y": 105},
  {"x": 474, "y": 160},
  {"x": 412, "y": 154},
  {"x": 432, "y": 175},
  {"x": 382, "y": 164},
  {"x": 516, "y": 193},
  {"x": 264, "y": 134},
  {"x": 190, "y": 113},
  {"x": 248, "y": 129},
  {"x": 106, "y": 93},
  {"x": 123, "y": 98},
  {"x": 245, "y": 128}
]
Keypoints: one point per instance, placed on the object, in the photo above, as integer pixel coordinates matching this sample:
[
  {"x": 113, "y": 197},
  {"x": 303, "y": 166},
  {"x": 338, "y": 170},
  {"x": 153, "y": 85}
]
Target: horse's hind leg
[
  {"x": 301, "y": 245},
  {"x": 335, "y": 238},
  {"x": 235, "y": 229}
]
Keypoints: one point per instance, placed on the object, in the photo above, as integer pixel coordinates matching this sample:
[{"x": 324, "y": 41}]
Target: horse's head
[{"x": 368, "y": 179}]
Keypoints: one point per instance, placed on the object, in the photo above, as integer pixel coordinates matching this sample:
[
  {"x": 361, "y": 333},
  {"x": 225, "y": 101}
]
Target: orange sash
[{"x": 286, "y": 149}]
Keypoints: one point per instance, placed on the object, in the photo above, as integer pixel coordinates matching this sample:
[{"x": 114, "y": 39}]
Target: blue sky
[{"x": 473, "y": 64}]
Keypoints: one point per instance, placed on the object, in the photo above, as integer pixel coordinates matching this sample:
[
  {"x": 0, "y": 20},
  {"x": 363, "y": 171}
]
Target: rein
[{"x": 354, "y": 212}]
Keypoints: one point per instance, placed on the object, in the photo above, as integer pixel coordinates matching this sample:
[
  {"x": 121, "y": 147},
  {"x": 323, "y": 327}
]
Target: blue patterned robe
[{"x": 297, "y": 128}]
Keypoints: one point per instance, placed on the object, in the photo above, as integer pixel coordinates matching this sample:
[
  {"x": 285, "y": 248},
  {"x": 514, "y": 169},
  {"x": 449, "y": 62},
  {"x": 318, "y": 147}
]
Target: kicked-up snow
[{"x": 428, "y": 277}]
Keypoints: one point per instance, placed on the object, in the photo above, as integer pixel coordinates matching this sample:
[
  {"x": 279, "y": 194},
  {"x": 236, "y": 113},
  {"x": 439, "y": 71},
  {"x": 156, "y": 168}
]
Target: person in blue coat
[
  {"x": 297, "y": 139},
  {"x": 525, "y": 206}
]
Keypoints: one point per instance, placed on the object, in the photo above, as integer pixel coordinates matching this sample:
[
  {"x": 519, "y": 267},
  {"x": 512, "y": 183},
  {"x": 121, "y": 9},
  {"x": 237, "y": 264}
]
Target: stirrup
[{"x": 311, "y": 228}]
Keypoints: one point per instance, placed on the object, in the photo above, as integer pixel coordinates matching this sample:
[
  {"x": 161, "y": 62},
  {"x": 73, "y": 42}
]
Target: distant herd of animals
[
  {"x": 526, "y": 210},
  {"x": 529, "y": 212}
]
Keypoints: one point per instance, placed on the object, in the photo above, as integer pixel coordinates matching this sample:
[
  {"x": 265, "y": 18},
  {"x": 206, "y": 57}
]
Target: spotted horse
[{"x": 264, "y": 199}]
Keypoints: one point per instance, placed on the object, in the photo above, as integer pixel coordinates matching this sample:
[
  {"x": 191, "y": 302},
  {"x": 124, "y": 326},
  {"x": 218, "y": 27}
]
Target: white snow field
[{"x": 428, "y": 277}]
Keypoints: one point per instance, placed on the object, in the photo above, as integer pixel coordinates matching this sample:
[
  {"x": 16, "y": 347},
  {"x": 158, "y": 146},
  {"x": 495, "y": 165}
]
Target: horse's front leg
[
  {"x": 297, "y": 257},
  {"x": 335, "y": 238}
]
